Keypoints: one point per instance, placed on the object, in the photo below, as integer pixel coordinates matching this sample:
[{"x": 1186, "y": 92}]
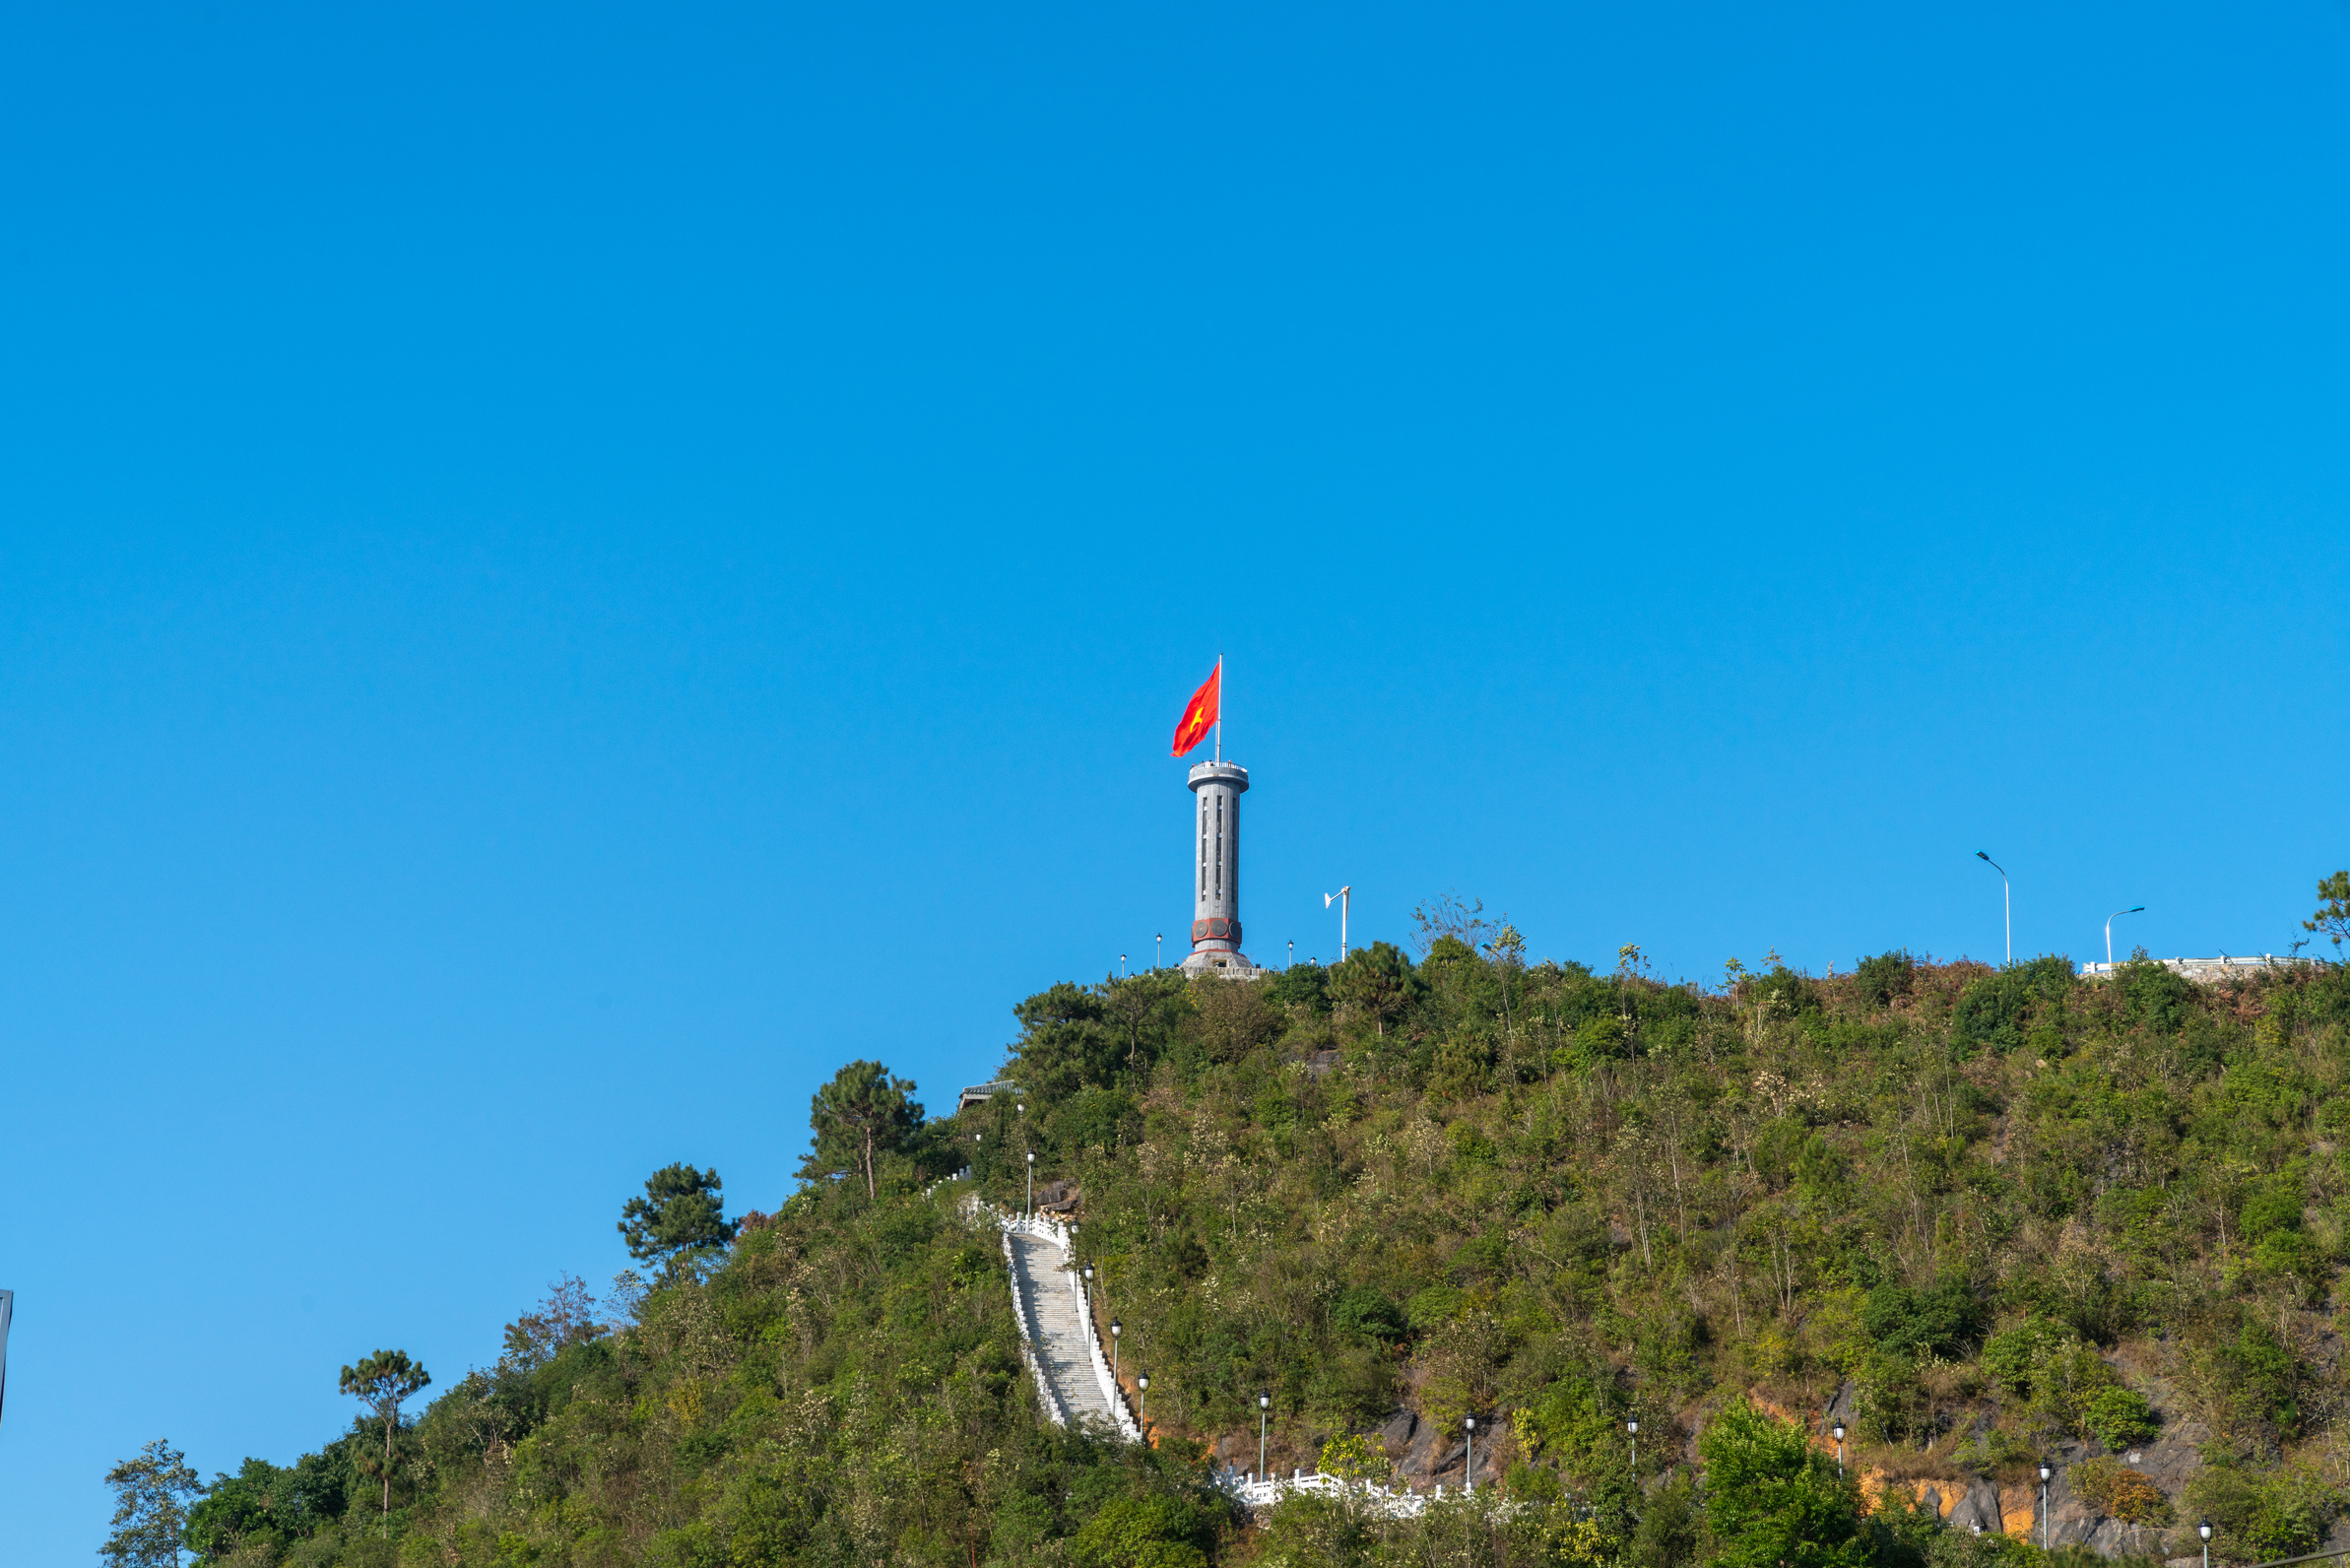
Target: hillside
[{"x": 1983, "y": 1218}]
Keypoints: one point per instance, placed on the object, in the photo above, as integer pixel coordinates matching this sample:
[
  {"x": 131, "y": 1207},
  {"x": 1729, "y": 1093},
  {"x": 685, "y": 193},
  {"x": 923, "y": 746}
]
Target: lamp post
[
  {"x": 2006, "y": 904},
  {"x": 1116, "y": 1329},
  {"x": 1839, "y": 1430},
  {"x": 1632, "y": 1429},
  {"x": 2045, "y": 1474},
  {"x": 1142, "y": 1381},
  {"x": 2136, "y": 909},
  {"x": 1469, "y": 1424},
  {"x": 1293, "y": 953},
  {"x": 1264, "y": 1411},
  {"x": 2204, "y": 1529},
  {"x": 1342, "y": 898},
  {"x": 1158, "y": 953},
  {"x": 1122, "y": 966},
  {"x": 1031, "y": 1184}
]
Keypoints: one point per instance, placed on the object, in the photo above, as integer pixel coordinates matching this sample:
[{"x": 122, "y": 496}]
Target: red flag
[{"x": 1199, "y": 715}]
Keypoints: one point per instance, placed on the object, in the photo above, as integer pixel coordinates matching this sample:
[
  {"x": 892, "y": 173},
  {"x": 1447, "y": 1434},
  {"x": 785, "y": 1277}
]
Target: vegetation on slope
[{"x": 1986, "y": 1215}]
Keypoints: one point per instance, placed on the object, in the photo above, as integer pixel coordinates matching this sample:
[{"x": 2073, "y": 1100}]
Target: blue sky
[{"x": 565, "y": 570}]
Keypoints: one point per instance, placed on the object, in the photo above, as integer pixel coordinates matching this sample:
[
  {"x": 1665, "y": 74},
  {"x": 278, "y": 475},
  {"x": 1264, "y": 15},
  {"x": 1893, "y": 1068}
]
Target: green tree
[
  {"x": 254, "y": 1509},
  {"x": 567, "y": 1317},
  {"x": 381, "y": 1383},
  {"x": 1065, "y": 1042},
  {"x": 1230, "y": 1017},
  {"x": 1377, "y": 982},
  {"x": 862, "y": 1112},
  {"x": 1773, "y": 1500},
  {"x": 2332, "y": 918},
  {"x": 1669, "y": 1534},
  {"x": 680, "y": 1212},
  {"x": 1140, "y": 1013},
  {"x": 151, "y": 1508},
  {"x": 1144, "y": 1533}
]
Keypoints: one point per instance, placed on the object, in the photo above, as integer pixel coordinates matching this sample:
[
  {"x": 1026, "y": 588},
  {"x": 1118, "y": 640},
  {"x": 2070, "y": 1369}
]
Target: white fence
[{"x": 1253, "y": 1492}]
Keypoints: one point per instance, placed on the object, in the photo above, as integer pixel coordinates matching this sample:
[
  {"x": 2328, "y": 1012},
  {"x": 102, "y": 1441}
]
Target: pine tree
[{"x": 381, "y": 1382}]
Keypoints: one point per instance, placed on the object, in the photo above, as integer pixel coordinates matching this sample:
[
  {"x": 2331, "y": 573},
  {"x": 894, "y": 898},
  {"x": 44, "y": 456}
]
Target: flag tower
[
  {"x": 1217, "y": 787},
  {"x": 1215, "y": 880}
]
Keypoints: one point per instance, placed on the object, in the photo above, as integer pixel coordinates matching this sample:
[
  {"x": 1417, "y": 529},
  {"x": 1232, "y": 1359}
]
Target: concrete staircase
[{"x": 1057, "y": 1328}]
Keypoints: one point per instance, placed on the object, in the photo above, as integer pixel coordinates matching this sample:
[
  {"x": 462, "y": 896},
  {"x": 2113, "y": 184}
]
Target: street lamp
[
  {"x": 1031, "y": 1184},
  {"x": 1471, "y": 1422},
  {"x": 1633, "y": 1427},
  {"x": 1122, "y": 966},
  {"x": 2045, "y": 1474},
  {"x": 1838, "y": 1431},
  {"x": 1143, "y": 1414},
  {"x": 2137, "y": 909},
  {"x": 1342, "y": 898},
  {"x": 1116, "y": 1329},
  {"x": 2204, "y": 1529},
  {"x": 1158, "y": 955},
  {"x": 2006, "y": 904},
  {"x": 1264, "y": 1411},
  {"x": 1293, "y": 953}
]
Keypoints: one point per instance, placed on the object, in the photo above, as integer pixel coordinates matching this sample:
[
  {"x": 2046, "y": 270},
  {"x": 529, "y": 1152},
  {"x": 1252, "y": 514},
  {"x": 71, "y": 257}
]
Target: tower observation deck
[{"x": 1216, "y": 879}]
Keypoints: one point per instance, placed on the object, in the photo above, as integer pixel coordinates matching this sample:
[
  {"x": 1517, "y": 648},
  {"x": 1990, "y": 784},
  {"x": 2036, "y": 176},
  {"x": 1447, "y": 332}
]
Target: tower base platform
[{"x": 1223, "y": 965}]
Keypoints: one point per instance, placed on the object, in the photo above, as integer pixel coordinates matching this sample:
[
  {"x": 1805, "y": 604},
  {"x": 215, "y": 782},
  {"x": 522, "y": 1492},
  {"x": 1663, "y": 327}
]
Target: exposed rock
[
  {"x": 2112, "y": 1538},
  {"x": 1420, "y": 1459},
  {"x": 1977, "y": 1509}
]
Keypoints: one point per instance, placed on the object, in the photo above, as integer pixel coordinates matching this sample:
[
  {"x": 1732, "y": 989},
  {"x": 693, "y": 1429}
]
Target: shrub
[
  {"x": 1351, "y": 1458},
  {"x": 2280, "y": 1515},
  {"x": 2154, "y": 997},
  {"x": 2262, "y": 1379},
  {"x": 1431, "y": 1309},
  {"x": 2120, "y": 1419},
  {"x": 1878, "y": 980},
  {"x": 1306, "y": 1529},
  {"x": 1906, "y": 1322},
  {"x": 1782, "y": 992},
  {"x": 1144, "y": 1533},
  {"x": 1365, "y": 1313},
  {"x": 1991, "y": 1012},
  {"x": 2011, "y": 1358},
  {"x": 2119, "y": 1492}
]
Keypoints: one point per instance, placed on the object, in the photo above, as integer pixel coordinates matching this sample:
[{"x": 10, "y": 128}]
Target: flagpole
[{"x": 1219, "y": 707}]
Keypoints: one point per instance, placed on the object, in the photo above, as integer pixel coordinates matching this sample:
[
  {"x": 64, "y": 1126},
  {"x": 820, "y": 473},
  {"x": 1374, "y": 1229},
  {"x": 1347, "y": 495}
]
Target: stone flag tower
[{"x": 1215, "y": 883}]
